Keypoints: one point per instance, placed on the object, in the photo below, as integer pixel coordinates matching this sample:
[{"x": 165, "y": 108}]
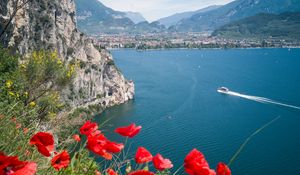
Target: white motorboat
[{"x": 223, "y": 90}]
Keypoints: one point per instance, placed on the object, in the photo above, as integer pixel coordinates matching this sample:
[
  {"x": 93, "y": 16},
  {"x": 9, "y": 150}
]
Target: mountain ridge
[
  {"x": 95, "y": 18},
  {"x": 135, "y": 17},
  {"x": 233, "y": 11},
  {"x": 173, "y": 19},
  {"x": 263, "y": 26}
]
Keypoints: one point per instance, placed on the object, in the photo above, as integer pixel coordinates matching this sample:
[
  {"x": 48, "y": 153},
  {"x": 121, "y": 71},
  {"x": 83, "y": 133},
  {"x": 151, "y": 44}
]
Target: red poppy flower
[
  {"x": 13, "y": 166},
  {"x": 111, "y": 172},
  {"x": 97, "y": 144},
  {"x": 61, "y": 160},
  {"x": 44, "y": 142},
  {"x": 88, "y": 128},
  {"x": 142, "y": 155},
  {"x": 129, "y": 131},
  {"x": 141, "y": 172},
  {"x": 160, "y": 163},
  {"x": 223, "y": 169},
  {"x": 113, "y": 147},
  {"x": 195, "y": 164},
  {"x": 76, "y": 137},
  {"x": 95, "y": 133}
]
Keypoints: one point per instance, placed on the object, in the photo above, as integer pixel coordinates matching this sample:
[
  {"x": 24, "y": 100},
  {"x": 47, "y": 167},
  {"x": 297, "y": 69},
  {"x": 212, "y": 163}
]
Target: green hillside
[{"x": 261, "y": 26}]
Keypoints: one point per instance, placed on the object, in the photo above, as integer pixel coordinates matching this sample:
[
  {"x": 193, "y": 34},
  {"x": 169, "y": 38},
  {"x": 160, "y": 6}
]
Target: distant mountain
[
  {"x": 211, "y": 20},
  {"x": 93, "y": 18},
  {"x": 282, "y": 26},
  {"x": 135, "y": 17},
  {"x": 153, "y": 27},
  {"x": 173, "y": 19}
]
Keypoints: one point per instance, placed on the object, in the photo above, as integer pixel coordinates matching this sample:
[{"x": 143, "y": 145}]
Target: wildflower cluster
[{"x": 96, "y": 142}]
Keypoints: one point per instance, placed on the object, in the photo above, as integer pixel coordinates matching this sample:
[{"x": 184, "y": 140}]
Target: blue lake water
[{"x": 179, "y": 108}]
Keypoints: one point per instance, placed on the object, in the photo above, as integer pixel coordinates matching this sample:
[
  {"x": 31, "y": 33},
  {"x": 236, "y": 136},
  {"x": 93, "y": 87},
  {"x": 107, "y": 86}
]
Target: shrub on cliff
[{"x": 35, "y": 80}]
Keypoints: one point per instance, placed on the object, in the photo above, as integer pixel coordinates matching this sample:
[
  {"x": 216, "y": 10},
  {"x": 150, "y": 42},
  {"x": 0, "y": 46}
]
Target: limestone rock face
[{"x": 51, "y": 25}]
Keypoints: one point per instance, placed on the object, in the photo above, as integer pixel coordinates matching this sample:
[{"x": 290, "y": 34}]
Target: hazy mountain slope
[
  {"x": 94, "y": 17},
  {"x": 173, "y": 19},
  {"x": 135, "y": 17},
  {"x": 282, "y": 26},
  {"x": 209, "y": 21}
]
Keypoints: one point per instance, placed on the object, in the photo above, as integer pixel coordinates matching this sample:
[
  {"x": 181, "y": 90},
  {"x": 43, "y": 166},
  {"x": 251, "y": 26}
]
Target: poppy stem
[
  {"x": 249, "y": 138},
  {"x": 128, "y": 149},
  {"x": 178, "y": 170},
  {"x": 105, "y": 121},
  {"x": 75, "y": 147},
  {"x": 140, "y": 166},
  {"x": 123, "y": 151}
]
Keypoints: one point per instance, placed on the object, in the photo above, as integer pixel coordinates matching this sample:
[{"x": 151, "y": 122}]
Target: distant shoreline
[{"x": 212, "y": 48}]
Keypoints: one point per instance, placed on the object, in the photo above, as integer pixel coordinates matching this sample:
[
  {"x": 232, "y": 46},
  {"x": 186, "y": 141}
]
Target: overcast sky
[{"x": 155, "y": 9}]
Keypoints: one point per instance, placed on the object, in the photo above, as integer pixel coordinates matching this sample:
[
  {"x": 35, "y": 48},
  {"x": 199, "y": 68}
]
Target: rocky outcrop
[{"x": 51, "y": 25}]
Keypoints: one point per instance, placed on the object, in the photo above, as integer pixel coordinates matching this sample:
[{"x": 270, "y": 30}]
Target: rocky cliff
[{"x": 51, "y": 25}]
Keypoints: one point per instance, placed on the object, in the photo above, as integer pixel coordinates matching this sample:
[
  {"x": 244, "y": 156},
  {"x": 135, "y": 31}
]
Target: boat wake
[{"x": 261, "y": 99}]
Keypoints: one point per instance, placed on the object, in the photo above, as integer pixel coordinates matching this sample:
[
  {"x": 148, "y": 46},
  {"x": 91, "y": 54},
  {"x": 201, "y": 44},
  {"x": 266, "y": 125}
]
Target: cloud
[{"x": 155, "y": 9}]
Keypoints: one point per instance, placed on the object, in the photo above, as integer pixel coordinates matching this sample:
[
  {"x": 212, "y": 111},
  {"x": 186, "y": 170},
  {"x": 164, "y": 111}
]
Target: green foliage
[
  {"x": 111, "y": 63},
  {"x": 70, "y": 51},
  {"x": 82, "y": 64},
  {"x": 95, "y": 108},
  {"x": 36, "y": 81},
  {"x": 45, "y": 75},
  {"x": 8, "y": 63},
  {"x": 10, "y": 79},
  {"x": 94, "y": 66},
  {"x": 99, "y": 96},
  {"x": 45, "y": 19},
  {"x": 87, "y": 71}
]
